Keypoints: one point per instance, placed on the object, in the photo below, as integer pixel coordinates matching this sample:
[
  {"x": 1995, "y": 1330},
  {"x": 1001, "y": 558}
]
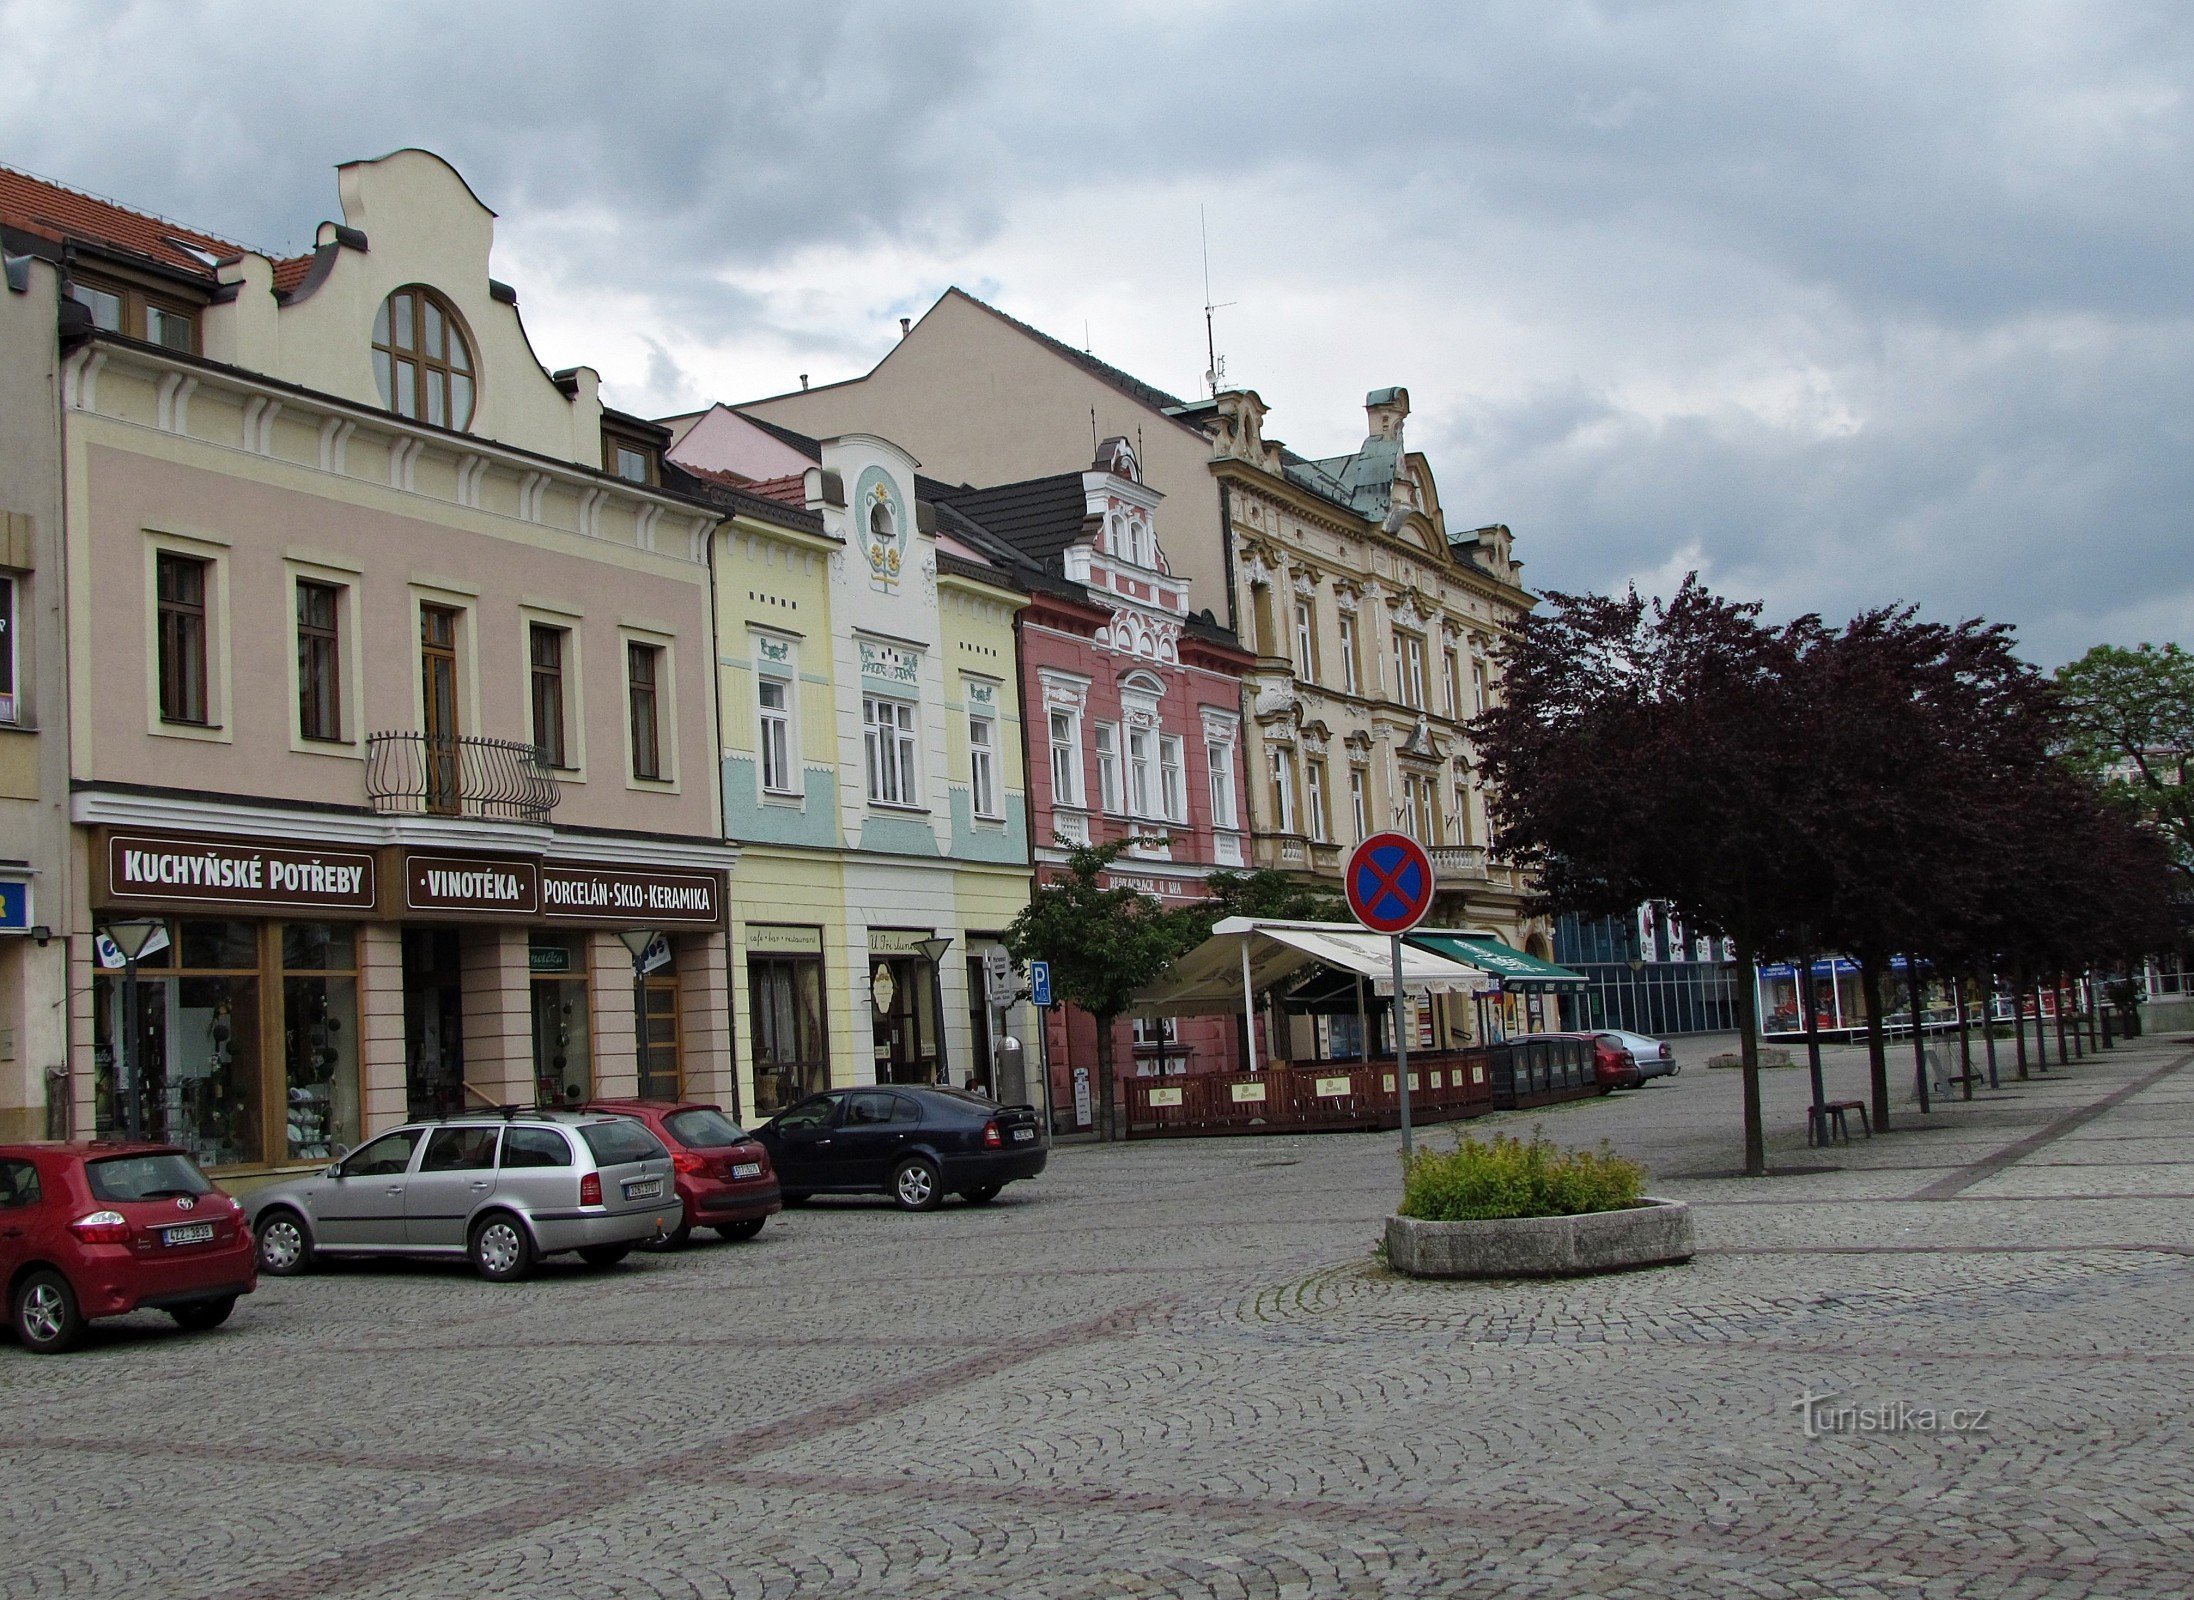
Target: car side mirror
[{"x": 332, "y": 1170}]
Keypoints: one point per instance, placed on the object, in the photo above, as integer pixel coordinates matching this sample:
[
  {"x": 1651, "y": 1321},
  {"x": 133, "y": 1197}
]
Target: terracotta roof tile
[
  {"x": 52, "y": 212},
  {"x": 791, "y": 490}
]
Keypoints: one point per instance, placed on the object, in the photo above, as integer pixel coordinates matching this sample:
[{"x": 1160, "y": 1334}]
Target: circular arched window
[{"x": 421, "y": 358}]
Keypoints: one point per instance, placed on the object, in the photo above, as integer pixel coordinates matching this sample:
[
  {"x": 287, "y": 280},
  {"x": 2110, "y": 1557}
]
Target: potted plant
[{"x": 1513, "y": 1208}]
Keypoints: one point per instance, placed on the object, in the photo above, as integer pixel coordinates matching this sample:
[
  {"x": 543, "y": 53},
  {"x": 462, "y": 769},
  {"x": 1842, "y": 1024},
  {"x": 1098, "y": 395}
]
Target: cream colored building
[
  {"x": 392, "y": 697},
  {"x": 1373, "y": 620}
]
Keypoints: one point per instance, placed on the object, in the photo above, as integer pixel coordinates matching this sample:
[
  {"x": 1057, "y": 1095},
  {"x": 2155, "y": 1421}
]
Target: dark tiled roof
[
  {"x": 717, "y": 489},
  {"x": 1143, "y": 394},
  {"x": 1038, "y": 517},
  {"x": 810, "y": 448}
]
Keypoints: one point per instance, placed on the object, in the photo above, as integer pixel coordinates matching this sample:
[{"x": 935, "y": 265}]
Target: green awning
[{"x": 1519, "y": 973}]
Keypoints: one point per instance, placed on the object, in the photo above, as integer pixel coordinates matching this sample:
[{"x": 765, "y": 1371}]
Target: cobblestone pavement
[{"x": 1175, "y": 1369}]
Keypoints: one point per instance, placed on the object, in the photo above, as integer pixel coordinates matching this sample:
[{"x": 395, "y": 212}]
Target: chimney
[
  {"x": 803, "y": 380},
  {"x": 906, "y": 325}
]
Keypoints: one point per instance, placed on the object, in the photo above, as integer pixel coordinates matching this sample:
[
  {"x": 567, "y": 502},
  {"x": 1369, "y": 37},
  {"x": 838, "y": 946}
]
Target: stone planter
[{"x": 1651, "y": 1233}]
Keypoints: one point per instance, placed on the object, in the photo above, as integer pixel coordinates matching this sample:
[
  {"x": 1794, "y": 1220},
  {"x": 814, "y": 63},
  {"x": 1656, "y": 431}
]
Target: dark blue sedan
[{"x": 914, "y": 1143}]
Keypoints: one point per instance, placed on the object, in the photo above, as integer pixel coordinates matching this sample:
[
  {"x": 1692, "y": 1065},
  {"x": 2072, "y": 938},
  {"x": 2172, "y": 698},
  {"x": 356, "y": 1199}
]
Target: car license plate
[
  {"x": 747, "y": 1169},
  {"x": 1024, "y": 1133},
  {"x": 194, "y": 1233},
  {"x": 643, "y": 1188}
]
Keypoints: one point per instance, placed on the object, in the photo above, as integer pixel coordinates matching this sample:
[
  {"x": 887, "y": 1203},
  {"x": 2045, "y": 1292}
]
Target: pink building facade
[{"x": 1132, "y": 702}]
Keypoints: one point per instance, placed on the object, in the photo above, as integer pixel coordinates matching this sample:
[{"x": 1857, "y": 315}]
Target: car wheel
[
  {"x": 604, "y": 1255},
  {"x": 502, "y": 1251},
  {"x": 285, "y": 1248},
  {"x": 737, "y": 1231},
  {"x": 46, "y": 1319},
  {"x": 982, "y": 1194},
  {"x": 673, "y": 1240},
  {"x": 202, "y": 1315},
  {"x": 914, "y": 1184}
]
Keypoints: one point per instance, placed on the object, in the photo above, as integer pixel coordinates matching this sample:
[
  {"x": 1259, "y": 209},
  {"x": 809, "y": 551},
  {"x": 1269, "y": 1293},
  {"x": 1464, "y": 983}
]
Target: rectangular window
[
  {"x": 1172, "y": 792},
  {"x": 775, "y": 698},
  {"x": 982, "y": 758},
  {"x": 1106, "y": 736},
  {"x": 791, "y": 1042},
  {"x": 122, "y": 308},
  {"x": 1139, "y": 785},
  {"x": 887, "y": 734},
  {"x": 438, "y": 691},
  {"x": 319, "y": 661},
  {"x": 1306, "y": 642},
  {"x": 1314, "y": 779},
  {"x": 1477, "y": 688},
  {"x": 181, "y": 581},
  {"x": 1219, "y": 766},
  {"x": 1359, "y": 803},
  {"x": 643, "y": 679},
  {"x": 1453, "y": 682},
  {"x": 545, "y": 644},
  {"x": 1066, "y": 759},
  {"x": 1283, "y": 789},
  {"x": 1351, "y": 673},
  {"x": 7, "y": 648},
  {"x": 1409, "y": 668}
]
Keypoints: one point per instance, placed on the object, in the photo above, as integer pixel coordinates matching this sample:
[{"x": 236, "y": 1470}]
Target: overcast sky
[{"x": 1839, "y": 304}]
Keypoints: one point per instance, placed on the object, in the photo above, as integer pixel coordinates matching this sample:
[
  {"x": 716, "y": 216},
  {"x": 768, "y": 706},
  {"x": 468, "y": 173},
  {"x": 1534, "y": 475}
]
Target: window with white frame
[
  {"x": 1359, "y": 802},
  {"x": 1283, "y": 789},
  {"x": 887, "y": 730},
  {"x": 7, "y": 647},
  {"x": 1219, "y": 768},
  {"x": 982, "y": 762},
  {"x": 774, "y": 699},
  {"x": 1106, "y": 737},
  {"x": 1351, "y": 673},
  {"x": 1140, "y": 787},
  {"x": 1409, "y": 668},
  {"x": 1314, "y": 800},
  {"x": 1477, "y": 687},
  {"x": 1306, "y": 641},
  {"x": 1172, "y": 792},
  {"x": 1066, "y": 758},
  {"x": 1452, "y": 684}
]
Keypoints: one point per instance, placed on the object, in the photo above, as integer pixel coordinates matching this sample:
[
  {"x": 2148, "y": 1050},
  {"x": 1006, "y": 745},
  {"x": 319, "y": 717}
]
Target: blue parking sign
[{"x": 1039, "y": 982}]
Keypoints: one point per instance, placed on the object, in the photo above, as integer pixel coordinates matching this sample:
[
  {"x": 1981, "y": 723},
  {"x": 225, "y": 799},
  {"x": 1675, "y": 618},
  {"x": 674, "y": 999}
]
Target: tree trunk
[
  {"x": 2018, "y": 1021},
  {"x": 1919, "y": 1033},
  {"x": 2056, "y": 992},
  {"x": 1988, "y": 1029},
  {"x": 1877, "y": 1043},
  {"x": 1816, "y": 1123},
  {"x": 1748, "y": 1050},
  {"x": 1965, "y": 1037},
  {"x": 1108, "y": 1120}
]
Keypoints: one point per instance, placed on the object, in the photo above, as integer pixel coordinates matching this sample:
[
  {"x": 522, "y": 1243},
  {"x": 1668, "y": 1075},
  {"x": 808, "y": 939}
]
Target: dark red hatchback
[
  {"x": 97, "y": 1230},
  {"x": 723, "y": 1176}
]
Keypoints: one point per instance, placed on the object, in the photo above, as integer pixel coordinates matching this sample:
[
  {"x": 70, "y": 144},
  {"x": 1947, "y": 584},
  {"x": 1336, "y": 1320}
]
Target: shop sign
[
  {"x": 548, "y": 958},
  {"x": 1333, "y": 1087},
  {"x": 1084, "y": 1103},
  {"x": 471, "y": 883},
  {"x": 221, "y": 872},
  {"x": 1164, "y": 1097},
  {"x": 897, "y": 941},
  {"x": 637, "y": 894},
  {"x": 14, "y": 906},
  {"x": 768, "y": 939},
  {"x": 1247, "y": 1093}
]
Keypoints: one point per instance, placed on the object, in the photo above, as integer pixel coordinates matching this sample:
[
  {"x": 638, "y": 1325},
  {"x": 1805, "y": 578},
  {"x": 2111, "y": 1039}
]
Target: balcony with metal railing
[{"x": 452, "y": 775}]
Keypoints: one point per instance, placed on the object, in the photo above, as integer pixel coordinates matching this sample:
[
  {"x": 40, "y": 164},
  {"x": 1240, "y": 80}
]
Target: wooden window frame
[
  {"x": 184, "y": 641},
  {"x": 545, "y": 693},
  {"x": 429, "y": 374},
  {"x": 644, "y": 708},
  {"x": 320, "y": 664},
  {"x": 133, "y": 318}
]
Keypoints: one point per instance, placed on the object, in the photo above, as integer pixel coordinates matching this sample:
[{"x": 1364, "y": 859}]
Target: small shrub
[{"x": 1478, "y": 1182}]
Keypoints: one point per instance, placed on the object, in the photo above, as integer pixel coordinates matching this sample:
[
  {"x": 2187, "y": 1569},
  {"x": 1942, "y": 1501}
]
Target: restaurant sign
[{"x": 228, "y": 872}]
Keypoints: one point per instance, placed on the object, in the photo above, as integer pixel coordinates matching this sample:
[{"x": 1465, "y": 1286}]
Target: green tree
[
  {"x": 1104, "y": 944},
  {"x": 2130, "y": 721}
]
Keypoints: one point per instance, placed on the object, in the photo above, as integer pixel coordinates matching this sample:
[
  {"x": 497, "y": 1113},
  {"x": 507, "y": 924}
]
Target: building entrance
[{"x": 434, "y": 1024}]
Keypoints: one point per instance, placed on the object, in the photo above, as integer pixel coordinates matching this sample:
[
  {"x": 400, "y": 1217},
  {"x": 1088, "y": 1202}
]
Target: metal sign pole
[{"x": 1401, "y": 1047}]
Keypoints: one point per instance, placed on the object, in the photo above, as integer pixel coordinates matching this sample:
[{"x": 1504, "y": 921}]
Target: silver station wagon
[{"x": 504, "y": 1188}]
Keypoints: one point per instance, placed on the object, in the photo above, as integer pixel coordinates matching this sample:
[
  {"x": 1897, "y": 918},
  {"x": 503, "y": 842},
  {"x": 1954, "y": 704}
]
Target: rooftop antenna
[{"x": 1215, "y": 372}]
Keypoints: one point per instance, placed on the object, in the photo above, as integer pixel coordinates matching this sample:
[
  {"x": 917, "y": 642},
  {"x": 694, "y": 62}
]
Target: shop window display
[
  {"x": 320, "y": 1038},
  {"x": 563, "y": 1047},
  {"x": 198, "y": 1046}
]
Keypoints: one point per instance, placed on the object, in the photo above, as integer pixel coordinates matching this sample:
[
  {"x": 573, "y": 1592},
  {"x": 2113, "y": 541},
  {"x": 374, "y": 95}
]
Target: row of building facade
[{"x": 450, "y": 738}]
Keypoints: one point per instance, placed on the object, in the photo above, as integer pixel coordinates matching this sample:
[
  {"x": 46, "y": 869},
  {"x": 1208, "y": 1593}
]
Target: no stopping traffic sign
[{"x": 1389, "y": 882}]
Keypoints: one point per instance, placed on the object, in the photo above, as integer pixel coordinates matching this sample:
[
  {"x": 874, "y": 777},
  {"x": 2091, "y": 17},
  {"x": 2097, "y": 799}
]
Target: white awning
[{"x": 1208, "y": 979}]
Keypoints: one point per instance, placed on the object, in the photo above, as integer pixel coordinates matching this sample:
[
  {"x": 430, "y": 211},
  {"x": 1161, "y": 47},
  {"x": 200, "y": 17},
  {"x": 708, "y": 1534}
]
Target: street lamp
[
  {"x": 933, "y": 951},
  {"x": 131, "y": 937},
  {"x": 637, "y": 943}
]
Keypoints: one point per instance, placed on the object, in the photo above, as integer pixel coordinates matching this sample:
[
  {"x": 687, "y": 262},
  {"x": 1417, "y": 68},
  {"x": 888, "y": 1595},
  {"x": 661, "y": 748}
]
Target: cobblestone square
[{"x": 1176, "y": 1369}]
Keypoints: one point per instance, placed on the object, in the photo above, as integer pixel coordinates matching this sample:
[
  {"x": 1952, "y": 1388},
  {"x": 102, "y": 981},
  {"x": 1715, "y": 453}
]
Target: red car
[
  {"x": 96, "y": 1230},
  {"x": 1613, "y": 1067},
  {"x": 723, "y": 1176}
]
